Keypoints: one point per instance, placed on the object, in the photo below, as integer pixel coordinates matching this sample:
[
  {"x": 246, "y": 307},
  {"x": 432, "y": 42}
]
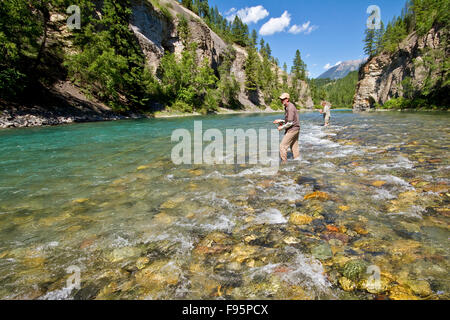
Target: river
[{"x": 364, "y": 215}]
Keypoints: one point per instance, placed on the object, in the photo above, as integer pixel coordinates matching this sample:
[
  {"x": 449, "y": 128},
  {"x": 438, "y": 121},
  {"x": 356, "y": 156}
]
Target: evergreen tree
[
  {"x": 254, "y": 39},
  {"x": 379, "y": 38},
  {"x": 268, "y": 50},
  {"x": 262, "y": 47},
  {"x": 369, "y": 40},
  {"x": 251, "y": 70},
  {"x": 285, "y": 77},
  {"x": 110, "y": 63},
  {"x": 239, "y": 31},
  {"x": 187, "y": 3},
  {"x": 201, "y": 7},
  {"x": 339, "y": 92},
  {"x": 299, "y": 68}
]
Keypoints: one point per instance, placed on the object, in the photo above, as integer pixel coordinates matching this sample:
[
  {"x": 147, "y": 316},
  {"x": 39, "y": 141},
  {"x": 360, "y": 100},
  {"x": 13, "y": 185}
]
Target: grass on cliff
[{"x": 163, "y": 8}]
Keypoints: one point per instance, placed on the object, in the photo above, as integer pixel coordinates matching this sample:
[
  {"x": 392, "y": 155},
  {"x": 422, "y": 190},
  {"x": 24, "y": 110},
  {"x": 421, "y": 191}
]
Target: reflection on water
[{"x": 371, "y": 190}]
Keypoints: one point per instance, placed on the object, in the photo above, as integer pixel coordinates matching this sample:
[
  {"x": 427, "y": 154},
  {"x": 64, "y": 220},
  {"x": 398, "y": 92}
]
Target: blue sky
[{"x": 335, "y": 31}]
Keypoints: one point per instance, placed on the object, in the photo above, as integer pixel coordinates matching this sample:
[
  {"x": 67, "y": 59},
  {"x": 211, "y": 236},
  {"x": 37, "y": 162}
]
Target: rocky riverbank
[
  {"x": 62, "y": 103},
  {"x": 37, "y": 116}
]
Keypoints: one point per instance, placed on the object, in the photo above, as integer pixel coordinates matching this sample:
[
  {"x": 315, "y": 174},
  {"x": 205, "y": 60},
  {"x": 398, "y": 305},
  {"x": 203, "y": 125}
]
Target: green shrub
[
  {"x": 396, "y": 103},
  {"x": 210, "y": 102},
  {"x": 182, "y": 106},
  {"x": 162, "y": 8},
  {"x": 276, "y": 105}
]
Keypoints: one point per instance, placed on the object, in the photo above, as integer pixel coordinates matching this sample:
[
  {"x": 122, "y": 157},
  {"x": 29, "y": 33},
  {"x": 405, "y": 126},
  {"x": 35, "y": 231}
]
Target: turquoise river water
[{"x": 369, "y": 193}]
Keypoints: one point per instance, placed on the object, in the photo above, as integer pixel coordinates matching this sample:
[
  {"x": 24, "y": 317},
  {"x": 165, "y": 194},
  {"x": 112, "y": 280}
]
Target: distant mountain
[{"x": 341, "y": 70}]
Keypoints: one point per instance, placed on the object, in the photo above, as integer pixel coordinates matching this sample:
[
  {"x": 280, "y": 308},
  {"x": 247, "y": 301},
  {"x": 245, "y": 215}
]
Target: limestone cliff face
[
  {"x": 418, "y": 60},
  {"x": 157, "y": 33},
  {"x": 305, "y": 100}
]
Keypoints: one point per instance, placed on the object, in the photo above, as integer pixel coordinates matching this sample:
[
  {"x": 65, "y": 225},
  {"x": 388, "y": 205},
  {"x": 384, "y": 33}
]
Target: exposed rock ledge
[{"x": 62, "y": 104}]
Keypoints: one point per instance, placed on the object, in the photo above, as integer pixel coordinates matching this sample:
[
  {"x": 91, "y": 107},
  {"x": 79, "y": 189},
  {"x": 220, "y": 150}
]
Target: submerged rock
[
  {"x": 376, "y": 285},
  {"x": 404, "y": 201},
  {"x": 142, "y": 262},
  {"x": 300, "y": 219},
  {"x": 318, "y": 195},
  {"x": 347, "y": 284},
  {"x": 378, "y": 183},
  {"x": 173, "y": 203},
  {"x": 214, "y": 243},
  {"x": 163, "y": 218},
  {"x": 322, "y": 252},
  {"x": 242, "y": 252},
  {"x": 88, "y": 242},
  {"x": 196, "y": 172},
  {"x": 290, "y": 240},
  {"x": 401, "y": 293},
  {"x": 354, "y": 269},
  {"x": 120, "y": 254},
  {"x": 158, "y": 275},
  {"x": 420, "y": 287},
  {"x": 81, "y": 200}
]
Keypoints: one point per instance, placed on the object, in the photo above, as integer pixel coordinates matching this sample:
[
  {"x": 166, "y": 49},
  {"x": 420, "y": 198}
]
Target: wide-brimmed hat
[{"x": 285, "y": 96}]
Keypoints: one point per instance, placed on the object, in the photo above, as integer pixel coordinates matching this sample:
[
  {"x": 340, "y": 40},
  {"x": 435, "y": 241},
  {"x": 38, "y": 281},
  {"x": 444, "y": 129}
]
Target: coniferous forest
[
  {"x": 338, "y": 92},
  {"x": 105, "y": 59}
]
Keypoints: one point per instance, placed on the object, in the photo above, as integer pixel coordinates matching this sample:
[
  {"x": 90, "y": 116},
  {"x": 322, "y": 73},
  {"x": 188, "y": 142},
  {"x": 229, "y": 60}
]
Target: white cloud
[
  {"x": 248, "y": 15},
  {"x": 275, "y": 25},
  {"x": 231, "y": 11},
  {"x": 311, "y": 29},
  {"x": 306, "y": 28},
  {"x": 295, "y": 29},
  {"x": 308, "y": 55}
]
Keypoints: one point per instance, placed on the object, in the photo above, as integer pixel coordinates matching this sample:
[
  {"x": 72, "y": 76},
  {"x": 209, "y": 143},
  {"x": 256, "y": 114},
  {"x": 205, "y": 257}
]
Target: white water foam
[
  {"x": 314, "y": 136},
  {"x": 222, "y": 223},
  {"x": 270, "y": 216},
  {"x": 62, "y": 294},
  {"x": 120, "y": 242},
  {"x": 413, "y": 212},
  {"x": 394, "y": 180},
  {"x": 399, "y": 162},
  {"x": 212, "y": 198},
  {"x": 307, "y": 271},
  {"x": 303, "y": 270},
  {"x": 383, "y": 194},
  {"x": 289, "y": 191}
]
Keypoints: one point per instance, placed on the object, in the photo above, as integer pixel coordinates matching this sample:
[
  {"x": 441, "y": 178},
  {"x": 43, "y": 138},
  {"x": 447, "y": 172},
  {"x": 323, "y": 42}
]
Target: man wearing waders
[
  {"x": 326, "y": 111},
  {"x": 291, "y": 124}
]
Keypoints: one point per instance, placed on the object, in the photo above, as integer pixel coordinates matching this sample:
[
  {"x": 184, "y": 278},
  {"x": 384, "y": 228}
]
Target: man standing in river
[
  {"x": 291, "y": 124},
  {"x": 326, "y": 111}
]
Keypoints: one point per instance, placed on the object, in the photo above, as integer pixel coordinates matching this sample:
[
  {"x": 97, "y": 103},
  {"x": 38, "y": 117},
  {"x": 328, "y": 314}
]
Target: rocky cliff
[
  {"x": 417, "y": 65},
  {"x": 156, "y": 31},
  {"x": 155, "y": 25}
]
